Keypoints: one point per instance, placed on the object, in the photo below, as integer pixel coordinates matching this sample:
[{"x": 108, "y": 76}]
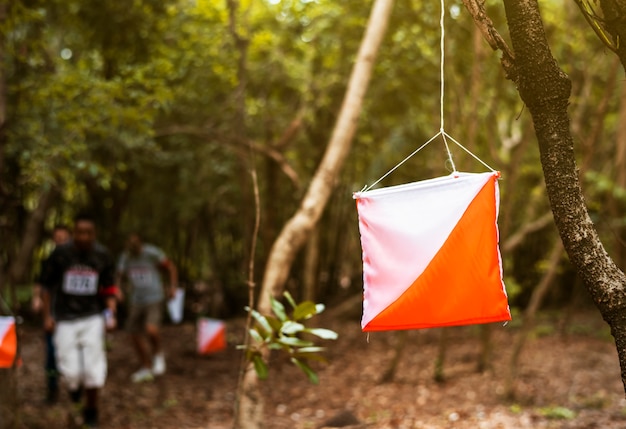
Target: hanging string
[
  {"x": 367, "y": 188},
  {"x": 444, "y": 136},
  {"x": 442, "y": 81}
]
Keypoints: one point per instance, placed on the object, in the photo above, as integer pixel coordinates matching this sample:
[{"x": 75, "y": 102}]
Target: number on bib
[{"x": 80, "y": 282}]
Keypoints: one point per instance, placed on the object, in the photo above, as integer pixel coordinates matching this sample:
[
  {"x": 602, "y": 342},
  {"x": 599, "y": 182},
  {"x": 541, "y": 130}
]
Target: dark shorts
[{"x": 141, "y": 316}]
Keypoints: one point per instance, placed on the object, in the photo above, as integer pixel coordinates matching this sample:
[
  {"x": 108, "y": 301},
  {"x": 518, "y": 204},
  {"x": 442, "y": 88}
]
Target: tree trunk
[
  {"x": 30, "y": 238},
  {"x": 529, "y": 316},
  {"x": 545, "y": 89},
  {"x": 620, "y": 175},
  {"x": 615, "y": 23},
  {"x": 390, "y": 372},
  {"x": 296, "y": 231},
  {"x": 311, "y": 266},
  {"x": 440, "y": 360},
  {"x": 3, "y": 91}
]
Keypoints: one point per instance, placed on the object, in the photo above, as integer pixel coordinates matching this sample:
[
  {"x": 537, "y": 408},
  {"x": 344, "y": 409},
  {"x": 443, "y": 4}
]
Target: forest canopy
[{"x": 152, "y": 113}]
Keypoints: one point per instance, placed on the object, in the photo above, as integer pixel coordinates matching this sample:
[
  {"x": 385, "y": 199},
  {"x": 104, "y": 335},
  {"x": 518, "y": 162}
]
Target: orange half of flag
[
  {"x": 8, "y": 342},
  {"x": 430, "y": 254}
]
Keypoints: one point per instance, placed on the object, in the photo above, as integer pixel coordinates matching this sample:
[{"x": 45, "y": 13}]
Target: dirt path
[{"x": 572, "y": 383}]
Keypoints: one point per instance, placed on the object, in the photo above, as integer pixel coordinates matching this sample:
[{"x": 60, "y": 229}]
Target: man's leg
[
  {"x": 68, "y": 354},
  {"x": 68, "y": 360},
  {"x": 154, "y": 314},
  {"x": 51, "y": 370},
  {"x": 95, "y": 370},
  {"x": 134, "y": 325},
  {"x": 141, "y": 349},
  {"x": 91, "y": 407}
]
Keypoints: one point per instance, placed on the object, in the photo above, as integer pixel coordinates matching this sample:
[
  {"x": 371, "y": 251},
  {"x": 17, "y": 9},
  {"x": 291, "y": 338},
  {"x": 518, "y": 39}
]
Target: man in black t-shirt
[{"x": 78, "y": 281}]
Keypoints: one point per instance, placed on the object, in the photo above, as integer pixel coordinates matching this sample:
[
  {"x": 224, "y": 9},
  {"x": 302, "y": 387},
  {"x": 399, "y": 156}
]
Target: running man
[
  {"x": 78, "y": 284},
  {"x": 60, "y": 235},
  {"x": 141, "y": 265}
]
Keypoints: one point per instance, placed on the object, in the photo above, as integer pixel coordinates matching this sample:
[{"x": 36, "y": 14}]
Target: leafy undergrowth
[{"x": 571, "y": 382}]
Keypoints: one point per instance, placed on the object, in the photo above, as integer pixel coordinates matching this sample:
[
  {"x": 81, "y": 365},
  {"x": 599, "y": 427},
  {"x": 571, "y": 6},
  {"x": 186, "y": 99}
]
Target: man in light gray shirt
[{"x": 141, "y": 266}]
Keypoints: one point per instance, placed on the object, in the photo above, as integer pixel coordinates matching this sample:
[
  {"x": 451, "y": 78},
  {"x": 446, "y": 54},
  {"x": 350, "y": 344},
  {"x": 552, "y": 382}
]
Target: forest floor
[{"x": 565, "y": 381}]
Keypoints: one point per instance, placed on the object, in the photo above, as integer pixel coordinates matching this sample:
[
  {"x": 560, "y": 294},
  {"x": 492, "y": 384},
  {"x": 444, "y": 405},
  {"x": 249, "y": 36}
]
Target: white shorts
[{"x": 80, "y": 353}]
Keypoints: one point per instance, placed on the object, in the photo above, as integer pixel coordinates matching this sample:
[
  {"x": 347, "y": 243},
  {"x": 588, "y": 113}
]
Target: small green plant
[
  {"x": 557, "y": 413},
  {"x": 284, "y": 331}
]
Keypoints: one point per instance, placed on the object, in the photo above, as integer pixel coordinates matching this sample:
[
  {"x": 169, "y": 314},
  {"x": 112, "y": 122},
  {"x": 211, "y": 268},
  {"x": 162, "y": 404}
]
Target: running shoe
[{"x": 144, "y": 374}]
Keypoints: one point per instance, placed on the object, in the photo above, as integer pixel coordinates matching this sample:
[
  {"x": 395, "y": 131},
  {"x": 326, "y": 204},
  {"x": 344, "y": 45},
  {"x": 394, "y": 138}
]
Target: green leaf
[
  {"x": 309, "y": 357},
  {"x": 313, "y": 378},
  {"x": 325, "y": 334},
  {"x": 290, "y": 299},
  {"x": 291, "y": 328},
  {"x": 278, "y": 308},
  {"x": 256, "y": 336},
  {"x": 294, "y": 342},
  {"x": 260, "y": 366},
  {"x": 304, "y": 310},
  {"x": 312, "y": 349},
  {"x": 557, "y": 413},
  {"x": 275, "y": 324},
  {"x": 260, "y": 319}
]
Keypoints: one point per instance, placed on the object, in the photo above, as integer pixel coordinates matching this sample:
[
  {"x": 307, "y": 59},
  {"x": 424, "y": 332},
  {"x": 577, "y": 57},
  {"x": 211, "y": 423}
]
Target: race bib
[
  {"x": 141, "y": 277},
  {"x": 80, "y": 282}
]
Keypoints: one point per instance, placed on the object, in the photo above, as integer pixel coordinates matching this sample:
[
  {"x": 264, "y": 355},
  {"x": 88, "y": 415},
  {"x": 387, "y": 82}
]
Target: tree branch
[
  {"x": 518, "y": 237},
  {"x": 239, "y": 142},
  {"x": 476, "y": 8}
]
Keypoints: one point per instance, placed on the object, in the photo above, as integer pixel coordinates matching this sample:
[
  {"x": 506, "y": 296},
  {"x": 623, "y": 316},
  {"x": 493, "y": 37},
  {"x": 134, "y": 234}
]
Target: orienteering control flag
[
  {"x": 8, "y": 342},
  {"x": 211, "y": 335},
  {"x": 430, "y": 253}
]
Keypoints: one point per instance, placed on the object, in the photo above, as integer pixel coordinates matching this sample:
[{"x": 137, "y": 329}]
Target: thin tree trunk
[
  {"x": 592, "y": 140},
  {"x": 486, "y": 348},
  {"x": 31, "y": 236},
  {"x": 3, "y": 91},
  {"x": 529, "y": 316},
  {"x": 296, "y": 231},
  {"x": 440, "y": 360},
  {"x": 620, "y": 176},
  {"x": 614, "y": 12},
  {"x": 390, "y": 372},
  {"x": 311, "y": 265}
]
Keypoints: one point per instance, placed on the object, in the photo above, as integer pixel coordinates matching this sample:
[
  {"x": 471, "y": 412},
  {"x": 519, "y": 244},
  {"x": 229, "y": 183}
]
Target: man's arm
[
  {"x": 37, "y": 299},
  {"x": 169, "y": 266},
  {"x": 119, "y": 294},
  {"x": 48, "y": 320},
  {"x": 110, "y": 312},
  {"x": 109, "y": 292},
  {"x": 46, "y": 281},
  {"x": 120, "y": 276}
]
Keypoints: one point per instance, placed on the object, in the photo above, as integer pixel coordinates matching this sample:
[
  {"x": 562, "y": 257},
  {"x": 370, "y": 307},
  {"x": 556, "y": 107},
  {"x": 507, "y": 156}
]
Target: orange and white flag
[
  {"x": 430, "y": 253},
  {"x": 211, "y": 335},
  {"x": 8, "y": 342}
]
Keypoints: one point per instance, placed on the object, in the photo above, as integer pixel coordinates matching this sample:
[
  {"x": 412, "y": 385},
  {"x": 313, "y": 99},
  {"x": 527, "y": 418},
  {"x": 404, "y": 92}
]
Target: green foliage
[
  {"x": 557, "y": 413},
  {"x": 131, "y": 108},
  {"x": 285, "y": 332}
]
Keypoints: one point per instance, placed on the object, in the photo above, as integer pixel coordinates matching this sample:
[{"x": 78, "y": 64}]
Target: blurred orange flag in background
[
  {"x": 211, "y": 335},
  {"x": 8, "y": 342}
]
